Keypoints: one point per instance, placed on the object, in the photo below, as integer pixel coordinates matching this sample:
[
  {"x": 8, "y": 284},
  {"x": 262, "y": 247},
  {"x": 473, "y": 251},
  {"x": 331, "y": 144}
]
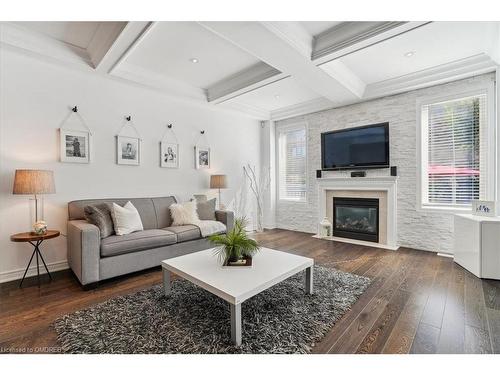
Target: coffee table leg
[
  {"x": 166, "y": 282},
  {"x": 309, "y": 280},
  {"x": 236, "y": 324}
]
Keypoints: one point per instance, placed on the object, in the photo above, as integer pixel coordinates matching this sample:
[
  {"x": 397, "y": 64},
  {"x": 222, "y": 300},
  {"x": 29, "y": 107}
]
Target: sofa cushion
[
  {"x": 185, "y": 232},
  {"x": 137, "y": 241},
  {"x": 162, "y": 205}
]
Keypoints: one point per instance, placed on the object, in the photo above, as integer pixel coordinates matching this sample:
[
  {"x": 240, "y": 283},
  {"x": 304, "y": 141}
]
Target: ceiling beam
[
  {"x": 108, "y": 55},
  {"x": 294, "y": 34},
  {"x": 345, "y": 76},
  {"x": 103, "y": 39},
  {"x": 244, "y": 81},
  {"x": 350, "y": 37},
  {"x": 347, "y": 34},
  {"x": 267, "y": 44}
]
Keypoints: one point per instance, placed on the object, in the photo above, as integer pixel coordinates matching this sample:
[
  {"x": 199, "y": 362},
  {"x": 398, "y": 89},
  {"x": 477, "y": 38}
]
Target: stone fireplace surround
[{"x": 383, "y": 188}]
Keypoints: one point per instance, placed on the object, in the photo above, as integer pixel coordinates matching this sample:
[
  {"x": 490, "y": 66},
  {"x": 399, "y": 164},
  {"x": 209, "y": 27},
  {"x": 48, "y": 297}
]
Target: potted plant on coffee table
[{"x": 235, "y": 248}]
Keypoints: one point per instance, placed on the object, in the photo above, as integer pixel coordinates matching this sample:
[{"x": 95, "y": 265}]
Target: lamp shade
[
  {"x": 218, "y": 181},
  {"x": 34, "y": 181}
]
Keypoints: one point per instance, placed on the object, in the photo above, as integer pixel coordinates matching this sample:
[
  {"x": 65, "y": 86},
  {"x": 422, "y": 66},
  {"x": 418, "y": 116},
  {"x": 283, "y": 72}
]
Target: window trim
[
  {"x": 487, "y": 88},
  {"x": 290, "y": 127}
]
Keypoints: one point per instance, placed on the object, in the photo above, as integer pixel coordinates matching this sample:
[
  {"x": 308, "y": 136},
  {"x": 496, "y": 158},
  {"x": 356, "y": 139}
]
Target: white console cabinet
[{"x": 477, "y": 245}]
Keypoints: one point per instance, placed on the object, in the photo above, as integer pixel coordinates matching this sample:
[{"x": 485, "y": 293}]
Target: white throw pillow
[
  {"x": 126, "y": 219},
  {"x": 184, "y": 213}
]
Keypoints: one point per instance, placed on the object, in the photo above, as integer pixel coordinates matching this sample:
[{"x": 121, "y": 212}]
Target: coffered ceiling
[{"x": 267, "y": 70}]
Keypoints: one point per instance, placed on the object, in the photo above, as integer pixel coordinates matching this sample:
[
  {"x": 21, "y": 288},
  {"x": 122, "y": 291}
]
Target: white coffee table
[{"x": 237, "y": 284}]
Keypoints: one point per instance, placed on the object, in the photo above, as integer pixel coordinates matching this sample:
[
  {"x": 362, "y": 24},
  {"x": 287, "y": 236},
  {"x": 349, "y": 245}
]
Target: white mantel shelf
[
  {"x": 387, "y": 184},
  {"x": 360, "y": 180}
]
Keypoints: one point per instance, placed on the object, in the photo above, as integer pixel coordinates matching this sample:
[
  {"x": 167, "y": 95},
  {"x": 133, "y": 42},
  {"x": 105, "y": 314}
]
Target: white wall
[
  {"x": 35, "y": 97},
  {"x": 416, "y": 229}
]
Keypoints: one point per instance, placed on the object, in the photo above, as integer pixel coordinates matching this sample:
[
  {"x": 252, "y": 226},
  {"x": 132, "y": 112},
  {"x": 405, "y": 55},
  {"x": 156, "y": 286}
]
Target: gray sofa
[{"x": 93, "y": 259}]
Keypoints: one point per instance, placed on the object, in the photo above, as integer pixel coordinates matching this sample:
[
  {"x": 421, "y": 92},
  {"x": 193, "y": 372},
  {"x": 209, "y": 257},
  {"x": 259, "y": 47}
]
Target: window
[
  {"x": 292, "y": 158},
  {"x": 454, "y": 152}
]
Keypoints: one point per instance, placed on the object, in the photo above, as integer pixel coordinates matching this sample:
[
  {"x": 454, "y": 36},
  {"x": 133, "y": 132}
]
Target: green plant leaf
[{"x": 235, "y": 243}]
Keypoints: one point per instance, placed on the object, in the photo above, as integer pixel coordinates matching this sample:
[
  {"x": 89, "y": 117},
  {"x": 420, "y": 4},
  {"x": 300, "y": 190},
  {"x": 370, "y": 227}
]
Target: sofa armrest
[
  {"x": 226, "y": 217},
  {"x": 84, "y": 242}
]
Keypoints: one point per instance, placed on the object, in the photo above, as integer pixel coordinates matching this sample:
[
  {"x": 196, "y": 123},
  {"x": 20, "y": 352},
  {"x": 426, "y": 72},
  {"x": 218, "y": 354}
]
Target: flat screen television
[{"x": 356, "y": 148}]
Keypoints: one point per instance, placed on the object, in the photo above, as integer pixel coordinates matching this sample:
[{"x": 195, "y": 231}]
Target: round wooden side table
[{"x": 35, "y": 240}]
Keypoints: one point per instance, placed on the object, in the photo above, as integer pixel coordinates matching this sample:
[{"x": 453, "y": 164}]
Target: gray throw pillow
[
  {"x": 100, "y": 216},
  {"x": 206, "y": 210},
  {"x": 200, "y": 197}
]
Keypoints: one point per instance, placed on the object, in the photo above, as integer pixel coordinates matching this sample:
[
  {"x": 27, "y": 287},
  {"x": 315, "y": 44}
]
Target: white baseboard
[{"x": 18, "y": 274}]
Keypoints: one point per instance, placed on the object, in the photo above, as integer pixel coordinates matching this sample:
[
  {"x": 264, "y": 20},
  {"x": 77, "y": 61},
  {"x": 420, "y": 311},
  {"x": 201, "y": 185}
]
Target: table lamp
[
  {"x": 218, "y": 181},
  {"x": 34, "y": 182}
]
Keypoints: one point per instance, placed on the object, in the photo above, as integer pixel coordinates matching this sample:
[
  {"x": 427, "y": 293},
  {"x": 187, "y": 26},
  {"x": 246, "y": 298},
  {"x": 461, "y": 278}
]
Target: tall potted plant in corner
[{"x": 235, "y": 248}]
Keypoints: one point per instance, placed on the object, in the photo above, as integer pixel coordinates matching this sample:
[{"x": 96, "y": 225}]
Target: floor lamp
[{"x": 218, "y": 181}]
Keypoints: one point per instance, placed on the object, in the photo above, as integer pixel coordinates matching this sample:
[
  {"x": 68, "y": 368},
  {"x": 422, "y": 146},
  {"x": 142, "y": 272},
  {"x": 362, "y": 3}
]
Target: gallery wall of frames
[
  {"x": 38, "y": 129},
  {"x": 75, "y": 144}
]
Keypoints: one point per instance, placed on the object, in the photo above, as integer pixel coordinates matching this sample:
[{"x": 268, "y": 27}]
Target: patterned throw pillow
[
  {"x": 100, "y": 216},
  {"x": 206, "y": 210}
]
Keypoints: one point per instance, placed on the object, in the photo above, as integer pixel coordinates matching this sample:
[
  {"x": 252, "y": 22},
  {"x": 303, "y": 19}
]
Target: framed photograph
[
  {"x": 202, "y": 157},
  {"x": 128, "y": 150},
  {"x": 483, "y": 208},
  {"x": 75, "y": 147},
  {"x": 169, "y": 155}
]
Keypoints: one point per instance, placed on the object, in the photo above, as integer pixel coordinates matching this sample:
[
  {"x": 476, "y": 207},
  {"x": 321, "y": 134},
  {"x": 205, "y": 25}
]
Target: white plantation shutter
[
  {"x": 454, "y": 152},
  {"x": 292, "y": 148}
]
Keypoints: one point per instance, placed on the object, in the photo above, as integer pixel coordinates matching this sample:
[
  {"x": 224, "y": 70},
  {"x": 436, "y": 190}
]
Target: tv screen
[{"x": 363, "y": 147}]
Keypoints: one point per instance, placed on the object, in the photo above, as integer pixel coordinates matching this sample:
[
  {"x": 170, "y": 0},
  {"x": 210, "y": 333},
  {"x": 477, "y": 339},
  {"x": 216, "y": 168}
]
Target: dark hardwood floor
[{"x": 418, "y": 302}]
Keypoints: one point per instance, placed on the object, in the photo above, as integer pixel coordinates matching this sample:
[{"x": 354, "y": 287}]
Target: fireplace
[{"x": 356, "y": 218}]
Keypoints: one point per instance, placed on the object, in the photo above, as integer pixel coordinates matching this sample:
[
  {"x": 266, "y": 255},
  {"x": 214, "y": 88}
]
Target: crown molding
[
  {"x": 158, "y": 81},
  {"x": 452, "y": 71},
  {"x": 249, "y": 110},
  {"x": 310, "y": 106},
  {"x": 31, "y": 42},
  {"x": 464, "y": 68},
  {"x": 348, "y": 37},
  {"x": 347, "y": 34},
  {"x": 244, "y": 81}
]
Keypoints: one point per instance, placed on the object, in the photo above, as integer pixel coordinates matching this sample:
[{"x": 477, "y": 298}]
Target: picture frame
[
  {"x": 483, "y": 208},
  {"x": 169, "y": 155},
  {"x": 74, "y": 146},
  {"x": 202, "y": 157},
  {"x": 128, "y": 150}
]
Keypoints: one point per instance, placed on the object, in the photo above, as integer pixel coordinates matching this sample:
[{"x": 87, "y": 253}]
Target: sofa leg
[{"x": 90, "y": 286}]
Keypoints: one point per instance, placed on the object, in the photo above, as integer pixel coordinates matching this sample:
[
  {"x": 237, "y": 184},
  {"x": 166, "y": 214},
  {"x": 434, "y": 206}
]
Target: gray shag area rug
[{"x": 282, "y": 319}]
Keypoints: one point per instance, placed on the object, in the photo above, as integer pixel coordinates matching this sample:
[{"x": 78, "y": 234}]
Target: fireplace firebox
[{"x": 356, "y": 218}]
